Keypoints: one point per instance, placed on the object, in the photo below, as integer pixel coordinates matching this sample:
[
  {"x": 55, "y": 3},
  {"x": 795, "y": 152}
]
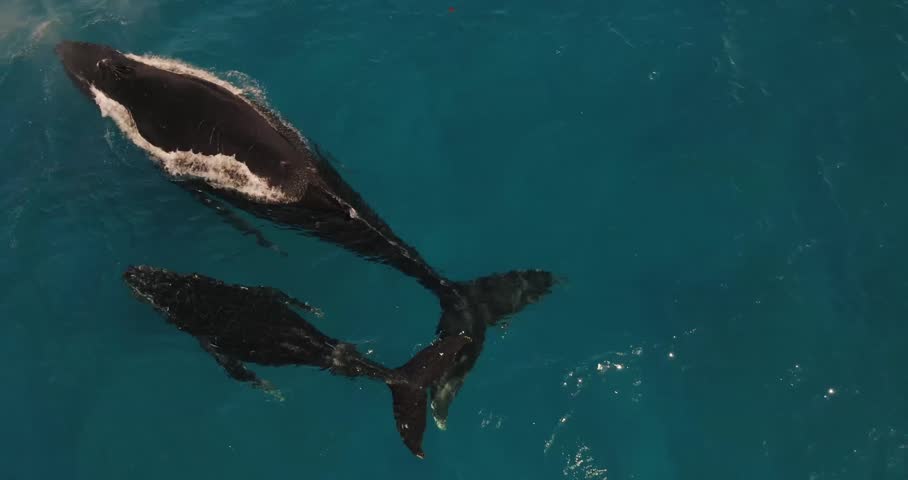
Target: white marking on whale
[{"x": 220, "y": 171}]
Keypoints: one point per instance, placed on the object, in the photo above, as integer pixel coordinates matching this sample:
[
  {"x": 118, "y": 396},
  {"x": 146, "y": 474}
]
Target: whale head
[
  {"x": 91, "y": 65},
  {"x": 156, "y": 286}
]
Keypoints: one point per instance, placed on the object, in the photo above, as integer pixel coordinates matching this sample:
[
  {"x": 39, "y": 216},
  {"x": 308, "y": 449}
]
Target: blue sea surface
[{"x": 720, "y": 184}]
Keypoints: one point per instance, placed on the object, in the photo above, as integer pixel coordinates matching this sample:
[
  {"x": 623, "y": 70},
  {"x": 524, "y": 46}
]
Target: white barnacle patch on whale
[{"x": 219, "y": 171}]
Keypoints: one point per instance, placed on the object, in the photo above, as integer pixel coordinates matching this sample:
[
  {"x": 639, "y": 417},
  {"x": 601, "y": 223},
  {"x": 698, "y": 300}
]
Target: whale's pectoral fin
[
  {"x": 234, "y": 220},
  {"x": 234, "y": 368},
  {"x": 237, "y": 371}
]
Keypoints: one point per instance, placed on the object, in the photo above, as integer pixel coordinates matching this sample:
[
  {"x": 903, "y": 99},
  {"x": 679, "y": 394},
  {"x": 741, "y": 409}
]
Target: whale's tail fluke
[
  {"x": 409, "y": 387},
  {"x": 479, "y": 303},
  {"x": 497, "y": 297}
]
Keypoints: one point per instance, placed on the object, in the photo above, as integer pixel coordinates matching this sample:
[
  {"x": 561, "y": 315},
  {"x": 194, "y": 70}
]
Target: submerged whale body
[
  {"x": 237, "y": 324},
  {"x": 208, "y": 134}
]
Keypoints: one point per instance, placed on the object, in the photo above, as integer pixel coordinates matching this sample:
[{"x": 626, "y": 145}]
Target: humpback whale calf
[
  {"x": 236, "y": 324},
  {"x": 209, "y": 134}
]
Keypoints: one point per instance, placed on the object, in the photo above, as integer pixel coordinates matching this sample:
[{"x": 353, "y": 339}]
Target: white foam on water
[
  {"x": 182, "y": 68},
  {"x": 250, "y": 86},
  {"x": 219, "y": 171}
]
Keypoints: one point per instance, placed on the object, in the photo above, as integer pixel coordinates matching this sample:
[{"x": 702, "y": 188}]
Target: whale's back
[{"x": 199, "y": 128}]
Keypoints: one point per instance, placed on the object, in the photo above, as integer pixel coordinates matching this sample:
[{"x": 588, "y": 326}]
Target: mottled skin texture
[
  {"x": 262, "y": 325},
  {"x": 180, "y": 112}
]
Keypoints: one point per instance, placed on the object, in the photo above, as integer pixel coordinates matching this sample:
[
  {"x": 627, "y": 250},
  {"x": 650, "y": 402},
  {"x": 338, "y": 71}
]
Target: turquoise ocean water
[{"x": 721, "y": 184}]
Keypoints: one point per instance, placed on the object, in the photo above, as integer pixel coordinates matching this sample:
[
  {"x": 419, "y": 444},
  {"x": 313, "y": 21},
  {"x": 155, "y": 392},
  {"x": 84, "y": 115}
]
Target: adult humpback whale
[
  {"x": 206, "y": 132},
  {"x": 237, "y": 324}
]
